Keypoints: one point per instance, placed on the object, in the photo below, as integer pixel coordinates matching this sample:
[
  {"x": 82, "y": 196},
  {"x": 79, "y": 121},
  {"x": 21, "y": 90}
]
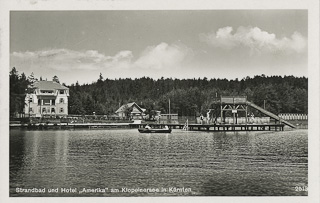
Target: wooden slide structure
[{"x": 268, "y": 113}]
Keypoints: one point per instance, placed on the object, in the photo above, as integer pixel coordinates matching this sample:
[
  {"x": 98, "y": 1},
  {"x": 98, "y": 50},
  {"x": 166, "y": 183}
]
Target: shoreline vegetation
[{"x": 188, "y": 97}]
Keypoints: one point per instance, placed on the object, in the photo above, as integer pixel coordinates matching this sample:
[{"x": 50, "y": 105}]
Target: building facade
[{"x": 46, "y": 98}]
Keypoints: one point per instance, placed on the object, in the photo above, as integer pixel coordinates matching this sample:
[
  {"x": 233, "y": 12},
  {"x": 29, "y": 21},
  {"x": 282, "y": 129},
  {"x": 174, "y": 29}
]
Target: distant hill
[{"x": 188, "y": 97}]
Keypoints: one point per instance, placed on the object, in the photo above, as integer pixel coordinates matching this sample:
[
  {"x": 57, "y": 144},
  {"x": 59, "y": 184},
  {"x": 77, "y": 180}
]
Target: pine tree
[
  {"x": 18, "y": 89},
  {"x": 31, "y": 78}
]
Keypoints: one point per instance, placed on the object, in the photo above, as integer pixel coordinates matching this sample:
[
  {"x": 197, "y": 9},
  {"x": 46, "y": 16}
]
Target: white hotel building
[{"x": 46, "y": 98}]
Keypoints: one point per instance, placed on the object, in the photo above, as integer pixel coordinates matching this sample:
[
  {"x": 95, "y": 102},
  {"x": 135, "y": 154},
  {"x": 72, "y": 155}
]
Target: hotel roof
[{"x": 48, "y": 85}]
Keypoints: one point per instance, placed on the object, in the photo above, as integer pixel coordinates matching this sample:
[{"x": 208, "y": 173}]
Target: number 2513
[{"x": 301, "y": 188}]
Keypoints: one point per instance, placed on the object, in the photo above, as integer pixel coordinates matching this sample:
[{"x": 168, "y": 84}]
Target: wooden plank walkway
[
  {"x": 71, "y": 125},
  {"x": 225, "y": 127},
  {"x": 191, "y": 127}
]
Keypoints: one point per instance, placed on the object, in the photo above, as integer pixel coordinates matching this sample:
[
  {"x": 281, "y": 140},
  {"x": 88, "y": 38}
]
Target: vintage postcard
[{"x": 141, "y": 101}]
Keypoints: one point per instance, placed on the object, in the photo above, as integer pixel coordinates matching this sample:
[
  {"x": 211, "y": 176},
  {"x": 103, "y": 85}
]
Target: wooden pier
[
  {"x": 217, "y": 127},
  {"x": 191, "y": 127},
  {"x": 70, "y": 125}
]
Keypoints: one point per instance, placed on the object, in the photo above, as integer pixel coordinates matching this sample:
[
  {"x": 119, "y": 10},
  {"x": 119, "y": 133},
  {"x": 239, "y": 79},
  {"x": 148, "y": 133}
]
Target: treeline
[
  {"x": 188, "y": 97},
  {"x": 18, "y": 87}
]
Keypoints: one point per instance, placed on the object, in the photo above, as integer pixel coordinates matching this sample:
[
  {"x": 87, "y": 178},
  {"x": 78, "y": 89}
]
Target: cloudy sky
[{"x": 78, "y": 45}]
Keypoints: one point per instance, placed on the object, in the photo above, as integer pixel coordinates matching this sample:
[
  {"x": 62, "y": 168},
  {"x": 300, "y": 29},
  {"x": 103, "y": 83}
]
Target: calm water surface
[{"x": 204, "y": 164}]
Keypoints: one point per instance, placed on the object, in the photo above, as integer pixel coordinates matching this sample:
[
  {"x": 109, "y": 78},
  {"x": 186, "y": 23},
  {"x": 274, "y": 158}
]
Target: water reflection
[{"x": 232, "y": 163}]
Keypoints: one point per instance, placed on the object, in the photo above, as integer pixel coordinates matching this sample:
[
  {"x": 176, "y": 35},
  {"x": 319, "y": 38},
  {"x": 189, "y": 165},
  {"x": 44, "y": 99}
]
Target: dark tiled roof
[{"x": 48, "y": 85}]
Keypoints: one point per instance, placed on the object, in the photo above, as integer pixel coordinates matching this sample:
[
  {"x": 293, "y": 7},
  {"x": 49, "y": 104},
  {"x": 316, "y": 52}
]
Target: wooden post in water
[
  {"x": 169, "y": 113},
  {"x": 221, "y": 118}
]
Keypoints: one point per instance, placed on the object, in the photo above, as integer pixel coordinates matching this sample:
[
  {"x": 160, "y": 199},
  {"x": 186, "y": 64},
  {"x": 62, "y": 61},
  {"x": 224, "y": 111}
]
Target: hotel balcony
[{"x": 46, "y": 93}]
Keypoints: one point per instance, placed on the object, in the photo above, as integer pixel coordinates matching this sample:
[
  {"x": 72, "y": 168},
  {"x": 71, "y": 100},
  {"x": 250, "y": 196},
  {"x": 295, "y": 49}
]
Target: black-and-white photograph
[{"x": 159, "y": 103}]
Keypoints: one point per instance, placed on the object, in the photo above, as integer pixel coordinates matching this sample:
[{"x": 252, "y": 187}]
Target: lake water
[{"x": 127, "y": 163}]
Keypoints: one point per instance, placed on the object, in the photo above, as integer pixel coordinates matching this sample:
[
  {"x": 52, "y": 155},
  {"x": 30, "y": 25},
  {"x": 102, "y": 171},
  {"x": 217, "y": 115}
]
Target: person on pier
[
  {"x": 201, "y": 119},
  {"x": 208, "y": 116}
]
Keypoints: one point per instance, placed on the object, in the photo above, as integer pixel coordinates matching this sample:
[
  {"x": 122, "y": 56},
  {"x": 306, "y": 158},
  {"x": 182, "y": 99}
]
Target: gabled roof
[
  {"x": 124, "y": 107},
  {"x": 48, "y": 85},
  {"x": 129, "y": 105}
]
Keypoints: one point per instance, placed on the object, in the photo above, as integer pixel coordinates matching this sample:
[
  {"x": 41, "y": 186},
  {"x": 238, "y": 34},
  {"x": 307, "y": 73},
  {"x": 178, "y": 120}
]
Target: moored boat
[{"x": 145, "y": 130}]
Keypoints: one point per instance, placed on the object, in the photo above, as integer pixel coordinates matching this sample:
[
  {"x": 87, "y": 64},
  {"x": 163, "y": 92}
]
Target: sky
[{"x": 79, "y": 45}]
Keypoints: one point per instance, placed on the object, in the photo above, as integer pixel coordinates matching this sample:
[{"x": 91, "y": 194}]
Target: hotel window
[
  {"x": 61, "y": 110},
  {"x": 46, "y": 91},
  {"x": 53, "y": 110},
  {"x": 53, "y": 102},
  {"x": 61, "y": 91},
  {"x": 44, "y": 110},
  {"x": 46, "y": 102},
  {"x": 61, "y": 100},
  {"x": 39, "y": 101}
]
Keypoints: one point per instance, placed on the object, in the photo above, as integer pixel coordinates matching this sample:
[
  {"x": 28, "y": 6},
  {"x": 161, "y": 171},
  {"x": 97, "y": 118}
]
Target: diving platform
[{"x": 238, "y": 104}]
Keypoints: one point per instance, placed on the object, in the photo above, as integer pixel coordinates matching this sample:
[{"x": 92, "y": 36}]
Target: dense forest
[
  {"x": 18, "y": 86},
  {"x": 188, "y": 97}
]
